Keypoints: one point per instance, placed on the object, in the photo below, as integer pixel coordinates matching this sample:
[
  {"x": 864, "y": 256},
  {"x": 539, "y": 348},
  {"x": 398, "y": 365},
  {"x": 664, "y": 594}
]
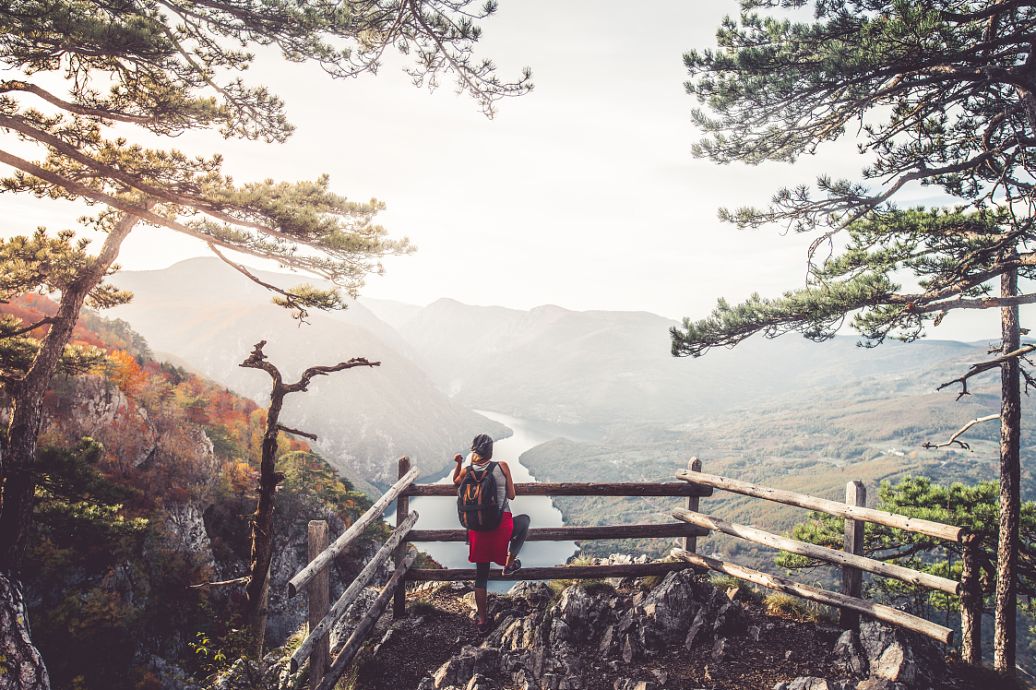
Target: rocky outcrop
[
  {"x": 878, "y": 657},
  {"x": 21, "y": 667},
  {"x": 593, "y": 633}
]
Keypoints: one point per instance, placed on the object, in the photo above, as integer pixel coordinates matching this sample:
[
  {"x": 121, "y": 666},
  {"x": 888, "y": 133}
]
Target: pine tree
[
  {"x": 934, "y": 93},
  {"x": 81, "y": 77}
]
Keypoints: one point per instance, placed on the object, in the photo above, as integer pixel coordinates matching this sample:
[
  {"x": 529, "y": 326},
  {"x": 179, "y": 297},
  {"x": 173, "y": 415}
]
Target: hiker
[{"x": 487, "y": 540}]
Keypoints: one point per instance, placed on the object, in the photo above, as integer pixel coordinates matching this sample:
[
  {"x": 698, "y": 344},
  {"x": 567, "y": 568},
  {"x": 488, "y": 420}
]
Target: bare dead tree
[{"x": 262, "y": 527}]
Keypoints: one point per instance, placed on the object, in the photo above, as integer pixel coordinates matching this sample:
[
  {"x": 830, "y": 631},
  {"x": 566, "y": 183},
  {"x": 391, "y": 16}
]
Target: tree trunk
[
  {"x": 21, "y": 667},
  {"x": 258, "y": 585},
  {"x": 17, "y": 460},
  {"x": 1004, "y": 634},
  {"x": 971, "y": 604}
]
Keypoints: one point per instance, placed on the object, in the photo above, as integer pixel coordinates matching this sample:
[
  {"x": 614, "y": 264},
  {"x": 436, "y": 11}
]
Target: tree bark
[
  {"x": 258, "y": 585},
  {"x": 1004, "y": 634},
  {"x": 971, "y": 605},
  {"x": 21, "y": 667},
  {"x": 18, "y": 459}
]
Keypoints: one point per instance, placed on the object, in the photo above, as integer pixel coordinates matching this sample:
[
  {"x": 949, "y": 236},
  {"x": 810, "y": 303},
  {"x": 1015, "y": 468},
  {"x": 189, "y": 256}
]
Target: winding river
[{"x": 441, "y": 512}]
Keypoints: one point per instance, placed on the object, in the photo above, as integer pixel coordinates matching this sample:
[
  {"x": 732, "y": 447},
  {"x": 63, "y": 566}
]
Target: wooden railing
[
  {"x": 691, "y": 524},
  {"x": 323, "y": 671},
  {"x": 852, "y": 560}
]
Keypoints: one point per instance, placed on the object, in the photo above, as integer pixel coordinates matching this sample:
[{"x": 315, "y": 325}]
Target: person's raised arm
[
  {"x": 458, "y": 470},
  {"x": 510, "y": 482}
]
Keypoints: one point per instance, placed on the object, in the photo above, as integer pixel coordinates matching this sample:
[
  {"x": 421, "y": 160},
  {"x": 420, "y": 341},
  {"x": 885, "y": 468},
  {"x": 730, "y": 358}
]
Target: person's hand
[{"x": 458, "y": 458}]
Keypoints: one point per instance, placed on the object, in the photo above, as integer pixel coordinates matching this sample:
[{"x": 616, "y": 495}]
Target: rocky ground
[{"x": 682, "y": 633}]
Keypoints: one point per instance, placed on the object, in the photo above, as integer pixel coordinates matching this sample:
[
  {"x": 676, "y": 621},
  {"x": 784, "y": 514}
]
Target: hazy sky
[{"x": 582, "y": 193}]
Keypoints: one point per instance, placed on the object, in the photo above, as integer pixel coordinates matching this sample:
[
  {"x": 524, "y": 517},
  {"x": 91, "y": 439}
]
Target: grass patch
[
  {"x": 789, "y": 606},
  {"x": 423, "y": 608}
]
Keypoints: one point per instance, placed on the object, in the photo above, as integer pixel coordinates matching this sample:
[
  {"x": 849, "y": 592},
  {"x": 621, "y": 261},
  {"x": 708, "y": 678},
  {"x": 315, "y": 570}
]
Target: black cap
[{"x": 483, "y": 445}]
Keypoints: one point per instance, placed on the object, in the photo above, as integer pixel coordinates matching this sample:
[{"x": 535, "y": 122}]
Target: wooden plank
[
  {"x": 350, "y": 535},
  {"x": 577, "y": 489},
  {"x": 821, "y": 553},
  {"x": 319, "y": 596},
  {"x": 561, "y": 572},
  {"x": 823, "y": 505},
  {"x": 402, "y": 508},
  {"x": 852, "y": 577},
  {"x": 363, "y": 628},
  {"x": 880, "y": 612},
  {"x": 693, "y": 502},
  {"x": 353, "y": 590},
  {"x": 574, "y": 533}
]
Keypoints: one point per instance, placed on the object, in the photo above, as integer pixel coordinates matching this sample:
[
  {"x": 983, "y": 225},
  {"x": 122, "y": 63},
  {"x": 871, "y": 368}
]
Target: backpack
[{"x": 477, "y": 508}]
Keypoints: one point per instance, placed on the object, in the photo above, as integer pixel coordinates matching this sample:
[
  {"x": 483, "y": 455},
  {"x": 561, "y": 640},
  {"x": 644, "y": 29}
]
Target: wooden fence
[{"x": 691, "y": 524}]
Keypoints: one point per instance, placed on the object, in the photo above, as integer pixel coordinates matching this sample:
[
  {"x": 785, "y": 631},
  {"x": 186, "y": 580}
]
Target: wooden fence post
[
  {"x": 971, "y": 604},
  {"x": 402, "y": 509},
  {"x": 852, "y": 578},
  {"x": 691, "y": 543},
  {"x": 319, "y": 595}
]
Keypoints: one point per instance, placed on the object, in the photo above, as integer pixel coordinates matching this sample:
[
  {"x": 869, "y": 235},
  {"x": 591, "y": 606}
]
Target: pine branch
[{"x": 985, "y": 366}]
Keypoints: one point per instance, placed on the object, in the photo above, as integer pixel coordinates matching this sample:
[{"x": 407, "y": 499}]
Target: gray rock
[
  {"x": 630, "y": 684},
  {"x": 668, "y": 606},
  {"x": 694, "y": 633},
  {"x": 889, "y": 656},
  {"x": 720, "y": 650},
  {"x": 480, "y": 682},
  {"x": 805, "y": 683},
  {"x": 848, "y": 656},
  {"x": 878, "y": 684}
]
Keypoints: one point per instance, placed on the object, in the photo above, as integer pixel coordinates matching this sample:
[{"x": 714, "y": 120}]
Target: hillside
[
  {"x": 148, "y": 482},
  {"x": 209, "y": 317}
]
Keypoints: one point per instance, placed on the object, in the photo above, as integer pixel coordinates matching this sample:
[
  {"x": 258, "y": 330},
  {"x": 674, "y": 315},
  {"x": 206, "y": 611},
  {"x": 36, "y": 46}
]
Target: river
[{"x": 437, "y": 512}]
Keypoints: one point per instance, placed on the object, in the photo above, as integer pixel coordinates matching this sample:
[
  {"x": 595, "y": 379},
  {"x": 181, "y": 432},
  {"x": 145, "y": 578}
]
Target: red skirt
[{"x": 485, "y": 547}]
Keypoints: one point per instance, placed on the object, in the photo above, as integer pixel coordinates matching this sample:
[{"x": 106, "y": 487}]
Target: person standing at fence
[{"x": 501, "y": 543}]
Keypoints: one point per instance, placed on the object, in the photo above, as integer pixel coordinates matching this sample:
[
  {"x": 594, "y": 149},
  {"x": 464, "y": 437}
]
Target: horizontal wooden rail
[
  {"x": 352, "y": 591},
  {"x": 561, "y": 572},
  {"x": 348, "y": 536},
  {"x": 363, "y": 628},
  {"x": 823, "y": 505},
  {"x": 823, "y": 596},
  {"x": 574, "y": 533},
  {"x": 577, "y": 489},
  {"x": 822, "y": 553}
]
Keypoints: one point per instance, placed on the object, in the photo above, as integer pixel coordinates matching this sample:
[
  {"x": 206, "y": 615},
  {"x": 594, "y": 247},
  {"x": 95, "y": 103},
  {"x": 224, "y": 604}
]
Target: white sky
[{"x": 582, "y": 193}]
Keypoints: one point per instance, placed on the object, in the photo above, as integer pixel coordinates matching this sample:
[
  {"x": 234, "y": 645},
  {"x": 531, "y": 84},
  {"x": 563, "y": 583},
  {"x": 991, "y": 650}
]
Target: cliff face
[{"x": 147, "y": 478}]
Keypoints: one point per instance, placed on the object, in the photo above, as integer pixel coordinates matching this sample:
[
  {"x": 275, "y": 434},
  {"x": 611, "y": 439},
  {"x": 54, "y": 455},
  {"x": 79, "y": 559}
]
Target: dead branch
[
  {"x": 955, "y": 439},
  {"x": 296, "y": 432},
  {"x": 222, "y": 583},
  {"x": 303, "y": 383},
  {"x": 985, "y": 366}
]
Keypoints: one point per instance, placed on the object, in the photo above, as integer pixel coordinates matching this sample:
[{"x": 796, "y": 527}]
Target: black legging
[{"x": 518, "y": 535}]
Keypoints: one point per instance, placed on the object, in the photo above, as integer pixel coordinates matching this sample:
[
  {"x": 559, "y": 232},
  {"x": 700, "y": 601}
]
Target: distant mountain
[
  {"x": 602, "y": 367},
  {"x": 209, "y": 317}
]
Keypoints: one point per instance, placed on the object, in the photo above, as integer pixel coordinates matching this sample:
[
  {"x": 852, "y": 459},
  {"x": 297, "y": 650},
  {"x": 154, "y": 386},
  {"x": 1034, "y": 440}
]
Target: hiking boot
[{"x": 513, "y": 567}]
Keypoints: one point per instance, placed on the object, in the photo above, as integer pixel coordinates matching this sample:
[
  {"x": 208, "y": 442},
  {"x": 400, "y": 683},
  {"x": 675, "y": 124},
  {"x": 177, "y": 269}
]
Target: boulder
[
  {"x": 889, "y": 654},
  {"x": 848, "y": 658}
]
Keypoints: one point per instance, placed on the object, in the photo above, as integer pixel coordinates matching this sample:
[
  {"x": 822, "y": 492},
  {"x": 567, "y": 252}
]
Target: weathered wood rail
[
  {"x": 851, "y": 559},
  {"x": 323, "y": 671},
  {"x": 690, "y": 525}
]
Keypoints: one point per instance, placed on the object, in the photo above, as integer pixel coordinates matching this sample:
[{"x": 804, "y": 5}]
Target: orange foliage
[{"x": 126, "y": 373}]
